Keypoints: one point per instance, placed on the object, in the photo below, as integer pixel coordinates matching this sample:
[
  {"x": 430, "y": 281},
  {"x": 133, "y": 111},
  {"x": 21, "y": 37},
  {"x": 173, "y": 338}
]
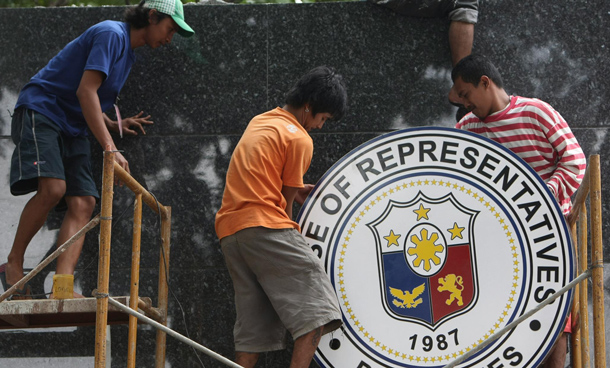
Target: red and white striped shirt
[{"x": 537, "y": 133}]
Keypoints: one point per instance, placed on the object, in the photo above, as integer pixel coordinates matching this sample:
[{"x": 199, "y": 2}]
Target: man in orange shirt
[{"x": 280, "y": 284}]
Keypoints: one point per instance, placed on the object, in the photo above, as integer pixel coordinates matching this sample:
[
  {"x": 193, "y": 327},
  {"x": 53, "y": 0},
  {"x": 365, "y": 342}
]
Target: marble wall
[{"x": 201, "y": 93}]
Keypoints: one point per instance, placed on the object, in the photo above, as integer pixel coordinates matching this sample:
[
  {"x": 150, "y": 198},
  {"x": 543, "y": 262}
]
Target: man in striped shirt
[{"x": 530, "y": 128}]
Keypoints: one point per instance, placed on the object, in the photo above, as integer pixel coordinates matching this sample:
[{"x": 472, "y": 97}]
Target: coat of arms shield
[{"x": 425, "y": 251}]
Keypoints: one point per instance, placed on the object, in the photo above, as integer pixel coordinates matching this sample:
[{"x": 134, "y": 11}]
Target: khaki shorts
[
  {"x": 466, "y": 11},
  {"x": 280, "y": 285}
]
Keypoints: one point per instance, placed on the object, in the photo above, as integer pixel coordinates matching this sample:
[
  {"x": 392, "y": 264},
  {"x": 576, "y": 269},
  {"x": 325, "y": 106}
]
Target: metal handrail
[
  {"x": 517, "y": 321},
  {"x": 590, "y": 188},
  {"x": 174, "y": 334}
]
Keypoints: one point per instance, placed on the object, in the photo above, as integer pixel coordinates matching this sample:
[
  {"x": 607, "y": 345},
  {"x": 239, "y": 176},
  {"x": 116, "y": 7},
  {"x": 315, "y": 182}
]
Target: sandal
[{"x": 19, "y": 294}]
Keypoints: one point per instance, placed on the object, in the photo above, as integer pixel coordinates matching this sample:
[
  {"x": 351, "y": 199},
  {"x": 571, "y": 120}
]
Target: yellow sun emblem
[{"x": 425, "y": 250}]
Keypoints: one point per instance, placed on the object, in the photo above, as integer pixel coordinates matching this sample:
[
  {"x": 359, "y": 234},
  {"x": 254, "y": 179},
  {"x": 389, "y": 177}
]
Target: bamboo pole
[
  {"x": 166, "y": 224},
  {"x": 135, "y": 280},
  {"x": 80, "y": 233},
  {"x": 584, "y": 292},
  {"x": 165, "y": 213},
  {"x": 104, "y": 260},
  {"x": 575, "y": 336},
  {"x": 149, "y": 310},
  {"x": 597, "y": 263},
  {"x": 132, "y": 184}
]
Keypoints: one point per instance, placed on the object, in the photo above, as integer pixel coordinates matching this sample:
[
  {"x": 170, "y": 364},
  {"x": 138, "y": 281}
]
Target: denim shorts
[
  {"x": 280, "y": 285},
  {"x": 43, "y": 150}
]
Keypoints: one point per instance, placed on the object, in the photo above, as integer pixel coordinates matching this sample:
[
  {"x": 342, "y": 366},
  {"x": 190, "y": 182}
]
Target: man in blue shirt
[{"x": 53, "y": 112}]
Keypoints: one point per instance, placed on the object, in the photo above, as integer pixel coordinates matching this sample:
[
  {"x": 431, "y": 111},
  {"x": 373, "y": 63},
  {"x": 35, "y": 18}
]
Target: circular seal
[{"x": 434, "y": 239}]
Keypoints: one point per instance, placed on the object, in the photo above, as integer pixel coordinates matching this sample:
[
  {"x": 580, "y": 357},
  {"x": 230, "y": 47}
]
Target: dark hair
[
  {"x": 323, "y": 90},
  {"x": 137, "y": 16},
  {"x": 473, "y": 67}
]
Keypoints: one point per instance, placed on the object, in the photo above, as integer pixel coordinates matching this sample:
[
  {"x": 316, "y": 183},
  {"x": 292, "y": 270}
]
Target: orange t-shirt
[{"x": 274, "y": 151}]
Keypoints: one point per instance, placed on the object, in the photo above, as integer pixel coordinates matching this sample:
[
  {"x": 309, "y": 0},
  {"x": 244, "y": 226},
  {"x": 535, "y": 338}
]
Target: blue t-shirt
[{"x": 105, "y": 47}]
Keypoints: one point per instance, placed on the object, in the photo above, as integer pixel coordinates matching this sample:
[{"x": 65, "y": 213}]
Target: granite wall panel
[{"x": 201, "y": 93}]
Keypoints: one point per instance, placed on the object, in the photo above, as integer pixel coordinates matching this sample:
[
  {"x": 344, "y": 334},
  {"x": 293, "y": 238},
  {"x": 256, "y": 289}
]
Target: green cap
[{"x": 174, "y": 9}]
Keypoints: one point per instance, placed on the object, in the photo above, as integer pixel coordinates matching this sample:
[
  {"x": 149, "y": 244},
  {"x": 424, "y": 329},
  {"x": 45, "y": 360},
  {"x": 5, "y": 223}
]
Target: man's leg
[
  {"x": 304, "y": 348},
  {"x": 557, "y": 356},
  {"x": 78, "y": 215},
  {"x": 246, "y": 360},
  {"x": 50, "y": 191},
  {"x": 461, "y": 35}
]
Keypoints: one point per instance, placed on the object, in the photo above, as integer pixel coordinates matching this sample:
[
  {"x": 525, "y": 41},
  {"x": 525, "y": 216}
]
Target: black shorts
[{"x": 43, "y": 150}]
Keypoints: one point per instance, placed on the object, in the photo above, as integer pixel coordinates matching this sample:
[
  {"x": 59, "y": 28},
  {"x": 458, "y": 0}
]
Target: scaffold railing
[
  {"x": 113, "y": 171},
  {"x": 581, "y": 225},
  {"x": 154, "y": 316}
]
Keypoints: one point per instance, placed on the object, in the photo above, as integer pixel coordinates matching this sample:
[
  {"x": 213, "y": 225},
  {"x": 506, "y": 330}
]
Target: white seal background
[{"x": 521, "y": 250}]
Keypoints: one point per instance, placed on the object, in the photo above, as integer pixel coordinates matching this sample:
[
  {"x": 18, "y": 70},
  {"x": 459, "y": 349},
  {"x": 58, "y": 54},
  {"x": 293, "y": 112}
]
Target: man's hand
[
  {"x": 302, "y": 193},
  {"x": 118, "y": 157},
  {"x": 130, "y": 124}
]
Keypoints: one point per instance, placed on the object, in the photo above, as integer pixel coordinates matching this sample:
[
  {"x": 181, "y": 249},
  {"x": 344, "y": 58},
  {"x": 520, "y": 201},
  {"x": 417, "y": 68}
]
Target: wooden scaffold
[{"x": 96, "y": 310}]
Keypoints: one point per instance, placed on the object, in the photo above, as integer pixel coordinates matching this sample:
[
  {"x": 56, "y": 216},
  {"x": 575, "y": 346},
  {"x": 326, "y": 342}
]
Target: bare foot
[
  {"x": 14, "y": 273},
  {"x": 77, "y": 295}
]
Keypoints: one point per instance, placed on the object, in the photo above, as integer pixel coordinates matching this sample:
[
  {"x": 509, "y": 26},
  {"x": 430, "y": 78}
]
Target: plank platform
[{"x": 37, "y": 313}]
